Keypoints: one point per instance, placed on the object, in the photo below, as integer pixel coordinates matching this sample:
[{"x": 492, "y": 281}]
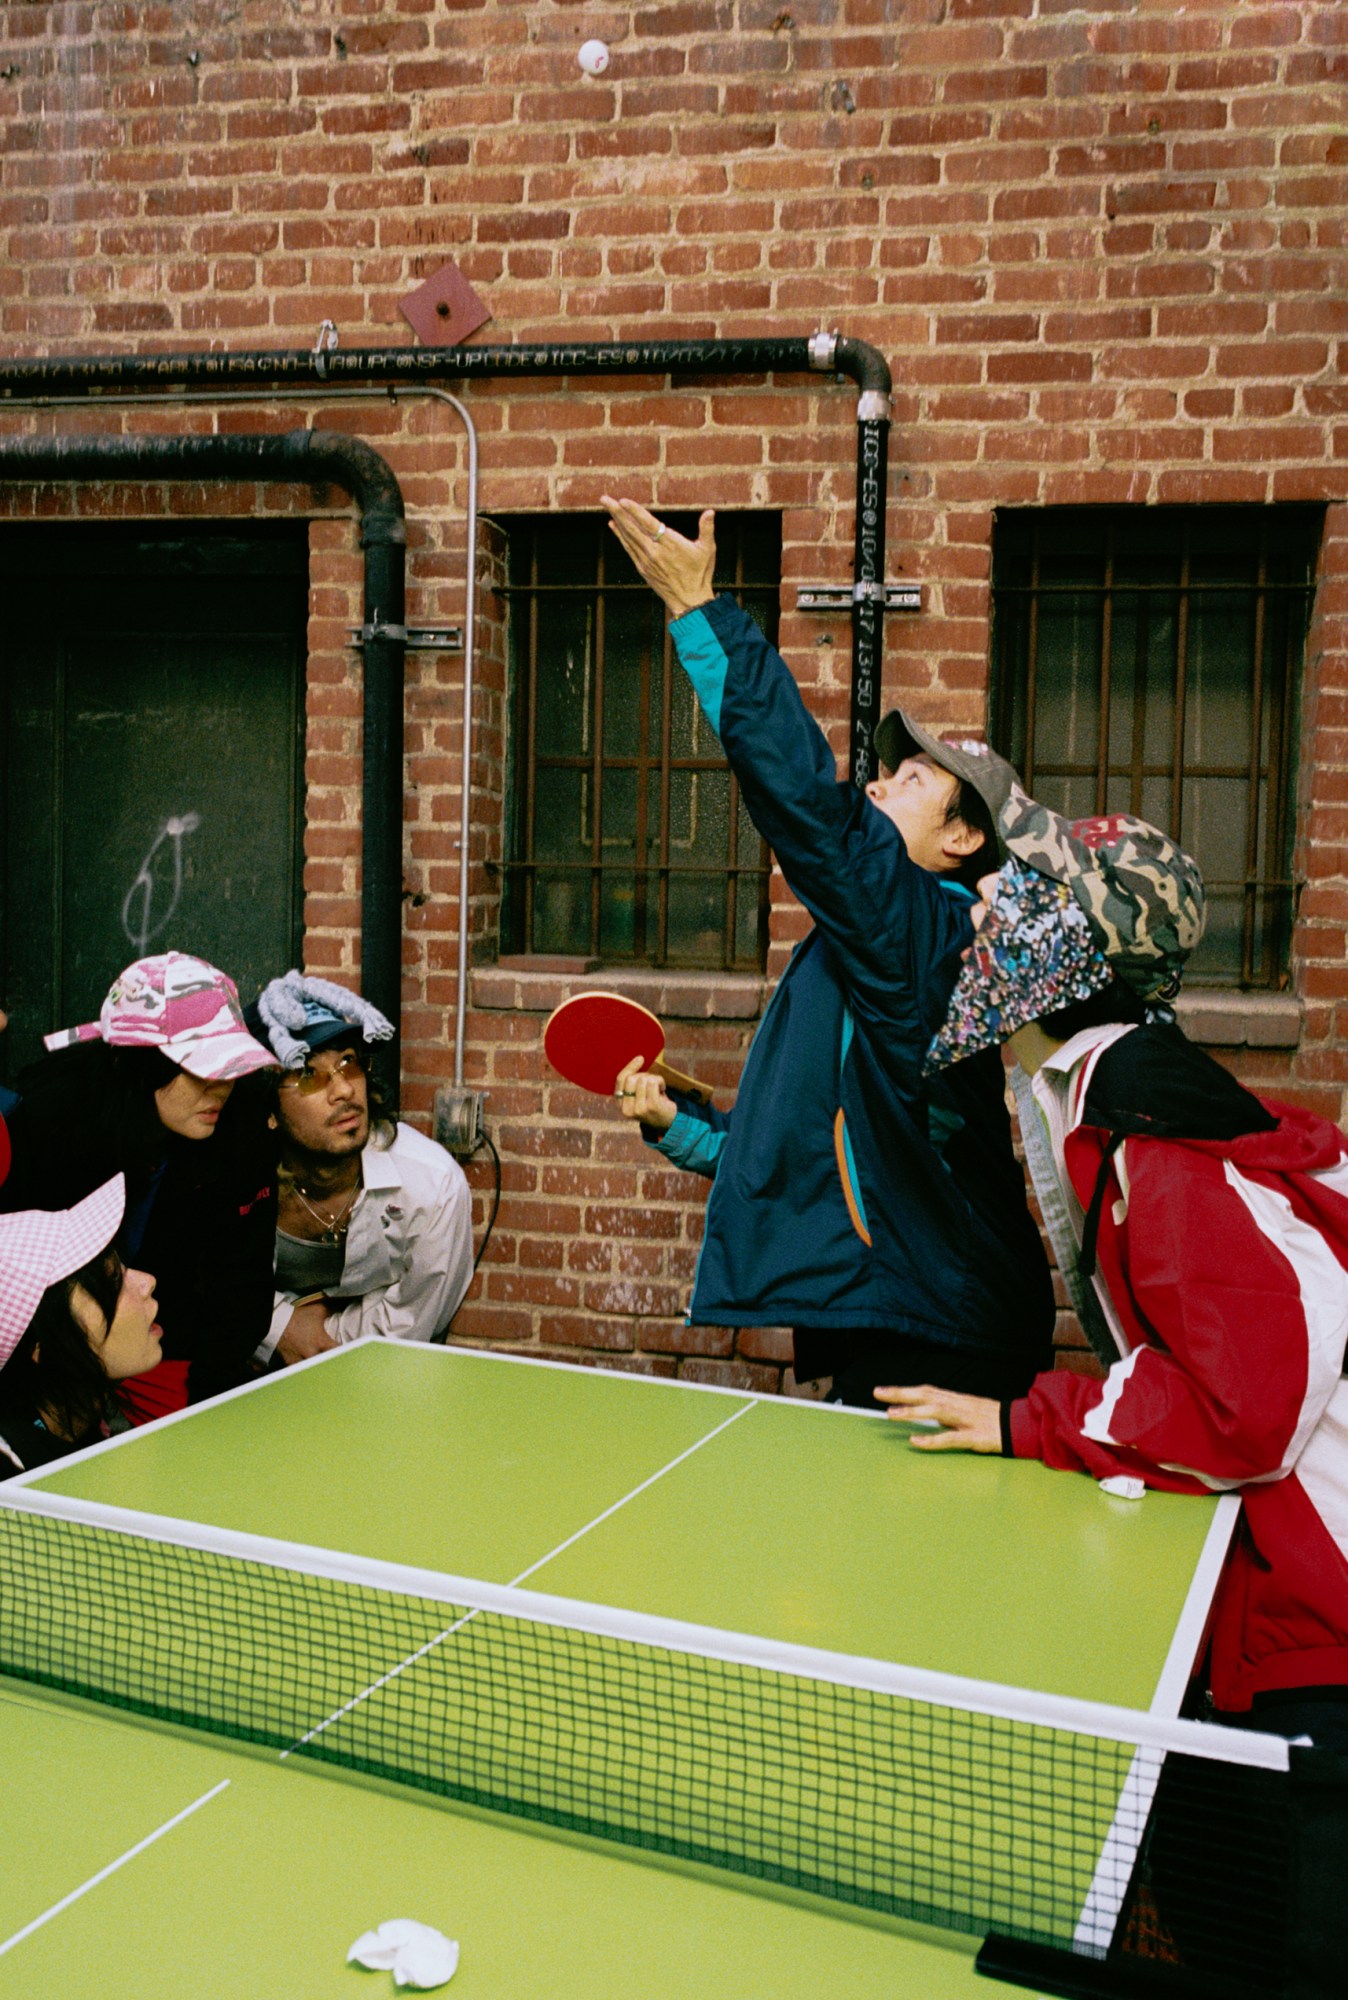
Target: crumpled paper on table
[
  {"x": 1124, "y": 1488},
  {"x": 415, "y": 1954}
]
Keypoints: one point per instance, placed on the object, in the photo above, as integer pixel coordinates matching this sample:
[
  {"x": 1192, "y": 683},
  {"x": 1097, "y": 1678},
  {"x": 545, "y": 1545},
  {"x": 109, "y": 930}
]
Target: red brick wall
[{"x": 1103, "y": 247}]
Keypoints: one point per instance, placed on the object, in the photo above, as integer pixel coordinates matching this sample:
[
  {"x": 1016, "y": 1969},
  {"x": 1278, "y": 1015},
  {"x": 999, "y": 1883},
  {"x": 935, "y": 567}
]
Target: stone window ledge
[
  {"x": 1215, "y": 1019},
  {"x": 1232, "y": 1020},
  {"x": 537, "y": 985}
]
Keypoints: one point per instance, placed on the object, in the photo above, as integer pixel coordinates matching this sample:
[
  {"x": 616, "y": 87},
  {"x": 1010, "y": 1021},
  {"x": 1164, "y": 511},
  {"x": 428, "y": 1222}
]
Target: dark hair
[
  {"x": 967, "y": 805},
  {"x": 383, "y": 1124},
  {"x": 1115, "y": 1002},
  {"x": 137, "y": 1074},
  {"x": 53, "y": 1371},
  {"x": 91, "y": 1112},
  {"x": 114, "y": 1089}
]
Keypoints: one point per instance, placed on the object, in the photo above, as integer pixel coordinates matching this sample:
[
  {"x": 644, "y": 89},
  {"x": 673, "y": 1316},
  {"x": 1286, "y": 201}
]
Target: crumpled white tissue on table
[{"x": 415, "y": 1954}]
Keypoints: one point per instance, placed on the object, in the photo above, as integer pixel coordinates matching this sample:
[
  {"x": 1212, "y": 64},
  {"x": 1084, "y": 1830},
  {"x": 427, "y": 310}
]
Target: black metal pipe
[
  {"x": 307, "y": 457},
  {"x": 871, "y": 375},
  {"x": 868, "y": 583},
  {"x": 85, "y": 375},
  {"x": 865, "y": 364},
  {"x": 90, "y": 375},
  {"x": 352, "y": 464}
]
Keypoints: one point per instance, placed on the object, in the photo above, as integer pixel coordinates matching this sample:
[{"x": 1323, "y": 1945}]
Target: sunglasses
[{"x": 309, "y": 1079}]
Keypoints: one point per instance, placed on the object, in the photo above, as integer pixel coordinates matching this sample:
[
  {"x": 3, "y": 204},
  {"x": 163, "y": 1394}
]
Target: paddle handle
[{"x": 676, "y": 1080}]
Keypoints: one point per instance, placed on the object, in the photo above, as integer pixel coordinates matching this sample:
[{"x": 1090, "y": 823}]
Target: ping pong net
[{"x": 959, "y": 1803}]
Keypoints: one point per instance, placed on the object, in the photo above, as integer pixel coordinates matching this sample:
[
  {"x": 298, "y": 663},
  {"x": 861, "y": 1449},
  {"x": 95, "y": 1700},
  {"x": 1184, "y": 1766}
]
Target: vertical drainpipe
[
  {"x": 383, "y": 537},
  {"x": 310, "y": 458}
]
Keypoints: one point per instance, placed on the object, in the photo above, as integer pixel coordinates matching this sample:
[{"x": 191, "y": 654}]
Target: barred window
[
  {"x": 627, "y": 837},
  {"x": 1148, "y": 661}
]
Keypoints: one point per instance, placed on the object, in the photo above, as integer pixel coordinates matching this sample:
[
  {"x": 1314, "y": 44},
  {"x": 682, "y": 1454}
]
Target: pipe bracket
[
  {"x": 416, "y": 638},
  {"x": 328, "y": 341},
  {"x": 841, "y": 596}
]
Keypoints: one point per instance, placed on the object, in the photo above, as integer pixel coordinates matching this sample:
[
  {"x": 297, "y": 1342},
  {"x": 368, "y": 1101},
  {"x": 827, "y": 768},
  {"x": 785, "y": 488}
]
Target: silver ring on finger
[{"x": 659, "y": 532}]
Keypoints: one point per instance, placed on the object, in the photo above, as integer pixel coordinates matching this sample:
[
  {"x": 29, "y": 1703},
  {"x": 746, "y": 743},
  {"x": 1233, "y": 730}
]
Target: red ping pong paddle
[{"x": 593, "y": 1035}]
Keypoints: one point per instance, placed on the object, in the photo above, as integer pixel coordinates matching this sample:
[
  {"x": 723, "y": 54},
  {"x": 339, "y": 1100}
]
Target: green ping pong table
[{"x": 211, "y": 1647}]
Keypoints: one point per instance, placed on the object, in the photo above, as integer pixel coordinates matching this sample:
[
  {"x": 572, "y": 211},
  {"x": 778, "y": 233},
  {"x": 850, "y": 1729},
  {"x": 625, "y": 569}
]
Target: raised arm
[
  {"x": 677, "y": 570},
  {"x": 845, "y": 861}
]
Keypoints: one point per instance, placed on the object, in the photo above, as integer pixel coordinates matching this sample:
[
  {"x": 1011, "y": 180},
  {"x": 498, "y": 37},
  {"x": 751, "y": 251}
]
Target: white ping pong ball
[{"x": 593, "y": 58}]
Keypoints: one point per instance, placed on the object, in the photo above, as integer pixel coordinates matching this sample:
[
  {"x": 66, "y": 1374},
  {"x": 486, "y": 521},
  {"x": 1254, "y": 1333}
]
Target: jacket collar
[
  {"x": 379, "y": 1168},
  {"x": 1066, "y": 1074}
]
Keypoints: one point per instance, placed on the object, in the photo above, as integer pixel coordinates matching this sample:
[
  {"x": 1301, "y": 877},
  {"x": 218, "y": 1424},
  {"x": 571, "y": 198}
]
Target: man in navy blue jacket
[{"x": 878, "y": 1213}]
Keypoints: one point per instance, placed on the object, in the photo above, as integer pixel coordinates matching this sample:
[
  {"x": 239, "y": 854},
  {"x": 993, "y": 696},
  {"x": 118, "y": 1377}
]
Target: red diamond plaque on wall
[{"x": 445, "y": 310}]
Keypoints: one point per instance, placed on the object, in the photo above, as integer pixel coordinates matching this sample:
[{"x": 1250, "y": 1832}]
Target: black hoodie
[{"x": 200, "y": 1214}]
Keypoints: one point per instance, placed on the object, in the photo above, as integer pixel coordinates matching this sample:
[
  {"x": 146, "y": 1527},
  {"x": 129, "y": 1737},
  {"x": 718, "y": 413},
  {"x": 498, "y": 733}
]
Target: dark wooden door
[{"x": 152, "y": 705}]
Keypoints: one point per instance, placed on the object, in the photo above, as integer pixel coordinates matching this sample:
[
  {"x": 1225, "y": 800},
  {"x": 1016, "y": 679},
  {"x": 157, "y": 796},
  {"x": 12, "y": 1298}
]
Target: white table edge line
[{"x": 112, "y": 1866}]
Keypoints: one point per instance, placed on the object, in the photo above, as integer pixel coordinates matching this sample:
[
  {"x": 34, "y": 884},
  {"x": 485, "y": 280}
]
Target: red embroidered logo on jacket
[{"x": 263, "y": 1194}]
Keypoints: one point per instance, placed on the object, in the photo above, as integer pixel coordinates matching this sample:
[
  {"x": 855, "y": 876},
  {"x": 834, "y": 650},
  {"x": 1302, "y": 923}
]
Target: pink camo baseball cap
[
  {"x": 180, "y": 1005},
  {"x": 39, "y": 1246}
]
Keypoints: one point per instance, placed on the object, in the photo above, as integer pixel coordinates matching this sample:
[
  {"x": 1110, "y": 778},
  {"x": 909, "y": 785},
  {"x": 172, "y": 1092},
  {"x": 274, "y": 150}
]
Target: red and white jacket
[{"x": 1223, "y": 1271}]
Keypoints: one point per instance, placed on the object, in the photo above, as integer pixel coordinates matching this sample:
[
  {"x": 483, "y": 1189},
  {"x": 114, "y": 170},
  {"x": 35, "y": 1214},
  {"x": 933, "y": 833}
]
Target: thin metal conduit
[{"x": 469, "y": 631}]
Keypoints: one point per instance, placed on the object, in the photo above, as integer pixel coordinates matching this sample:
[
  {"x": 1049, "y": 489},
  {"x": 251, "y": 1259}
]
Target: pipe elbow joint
[
  {"x": 870, "y": 371},
  {"x": 366, "y": 475}
]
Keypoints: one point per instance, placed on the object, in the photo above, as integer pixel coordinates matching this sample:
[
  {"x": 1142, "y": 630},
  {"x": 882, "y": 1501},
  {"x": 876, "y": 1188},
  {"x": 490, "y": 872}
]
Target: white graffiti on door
[{"x": 138, "y": 903}]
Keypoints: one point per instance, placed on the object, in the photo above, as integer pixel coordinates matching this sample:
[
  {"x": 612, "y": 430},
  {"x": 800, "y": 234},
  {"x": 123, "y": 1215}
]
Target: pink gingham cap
[
  {"x": 187, "y": 1009},
  {"x": 39, "y": 1246}
]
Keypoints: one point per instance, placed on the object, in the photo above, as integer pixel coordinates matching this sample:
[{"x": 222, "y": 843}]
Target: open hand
[
  {"x": 968, "y": 1423},
  {"x": 677, "y": 570}
]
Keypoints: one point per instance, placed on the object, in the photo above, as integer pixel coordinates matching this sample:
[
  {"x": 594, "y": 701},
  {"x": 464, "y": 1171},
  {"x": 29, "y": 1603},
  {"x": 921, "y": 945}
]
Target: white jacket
[{"x": 409, "y": 1247}]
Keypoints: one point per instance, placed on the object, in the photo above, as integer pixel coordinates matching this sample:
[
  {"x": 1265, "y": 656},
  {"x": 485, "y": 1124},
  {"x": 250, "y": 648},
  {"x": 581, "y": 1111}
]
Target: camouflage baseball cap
[
  {"x": 968, "y": 758},
  {"x": 1143, "y": 894},
  {"x": 179, "y": 1004}
]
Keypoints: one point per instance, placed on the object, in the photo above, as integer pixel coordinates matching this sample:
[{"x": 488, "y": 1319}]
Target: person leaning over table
[
  {"x": 374, "y": 1230},
  {"x": 882, "y": 1217},
  {"x": 75, "y": 1325},
  {"x": 150, "y": 1090},
  {"x": 1205, "y": 1232}
]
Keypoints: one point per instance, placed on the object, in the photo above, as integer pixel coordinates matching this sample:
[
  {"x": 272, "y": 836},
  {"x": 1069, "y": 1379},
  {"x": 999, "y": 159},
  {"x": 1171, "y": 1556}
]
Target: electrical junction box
[{"x": 458, "y": 1124}]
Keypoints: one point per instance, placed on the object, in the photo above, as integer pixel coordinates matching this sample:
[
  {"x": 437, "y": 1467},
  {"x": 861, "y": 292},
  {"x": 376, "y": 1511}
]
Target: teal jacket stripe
[
  {"x": 848, "y": 1030},
  {"x": 690, "y": 1144},
  {"x": 703, "y": 659}
]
